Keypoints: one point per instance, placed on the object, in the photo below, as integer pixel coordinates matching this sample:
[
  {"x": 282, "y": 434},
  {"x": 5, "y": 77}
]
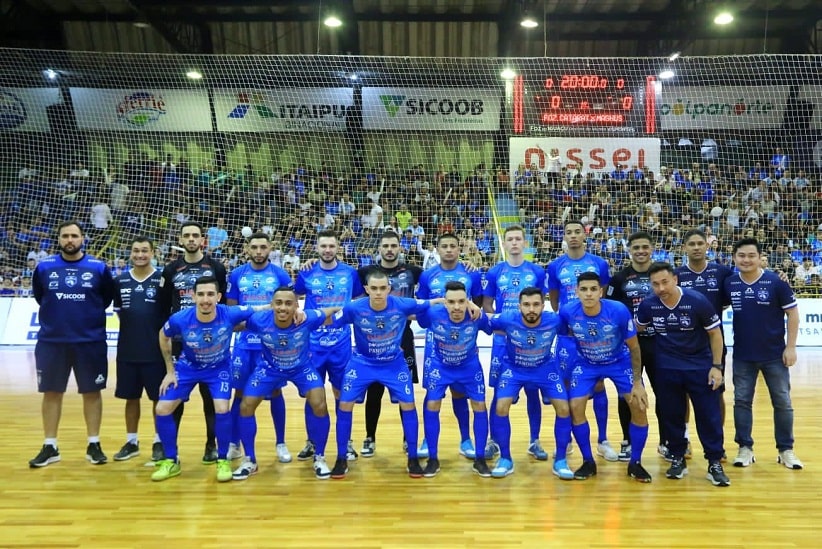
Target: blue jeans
[{"x": 778, "y": 379}]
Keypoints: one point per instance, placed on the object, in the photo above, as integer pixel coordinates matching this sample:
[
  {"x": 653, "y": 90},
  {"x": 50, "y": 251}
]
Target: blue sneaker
[
  {"x": 422, "y": 451},
  {"x": 491, "y": 449},
  {"x": 467, "y": 449},
  {"x": 562, "y": 470},
  {"x": 537, "y": 451},
  {"x": 503, "y": 468}
]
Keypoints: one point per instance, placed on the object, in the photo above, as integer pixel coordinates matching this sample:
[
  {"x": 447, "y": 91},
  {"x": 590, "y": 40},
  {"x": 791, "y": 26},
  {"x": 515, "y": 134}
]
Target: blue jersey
[
  {"x": 432, "y": 282},
  {"x": 73, "y": 297},
  {"x": 454, "y": 343},
  {"x": 252, "y": 287},
  {"x": 526, "y": 346},
  {"x": 285, "y": 348},
  {"x": 561, "y": 274},
  {"x": 378, "y": 334},
  {"x": 759, "y": 316},
  {"x": 709, "y": 282},
  {"x": 680, "y": 332},
  {"x": 205, "y": 344},
  {"x": 138, "y": 304},
  {"x": 600, "y": 338},
  {"x": 324, "y": 288},
  {"x": 504, "y": 282}
]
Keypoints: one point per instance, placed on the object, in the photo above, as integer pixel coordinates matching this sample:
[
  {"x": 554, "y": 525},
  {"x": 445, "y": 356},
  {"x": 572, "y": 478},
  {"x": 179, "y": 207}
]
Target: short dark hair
[
  {"x": 659, "y": 266},
  {"x": 374, "y": 272},
  {"x": 513, "y": 228},
  {"x": 695, "y": 232},
  {"x": 444, "y": 236},
  {"x": 143, "y": 238},
  {"x": 287, "y": 288},
  {"x": 456, "y": 286},
  {"x": 573, "y": 222},
  {"x": 531, "y": 290},
  {"x": 259, "y": 234},
  {"x": 588, "y": 276},
  {"x": 206, "y": 280},
  {"x": 69, "y": 223},
  {"x": 190, "y": 223},
  {"x": 326, "y": 233},
  {"x": 389, "y": 235},
  {"x": 747, "y": 242},
  {"x": 640, "y": 235}
]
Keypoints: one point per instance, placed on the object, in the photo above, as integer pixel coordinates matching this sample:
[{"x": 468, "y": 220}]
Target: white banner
[
  {"x": 24, "y": 109},
  {"x": 462, "y": 109},
  {"x": 596, "y": 154},
  {"x": 23, "y": 323},
  {"x": 721, "y": 107},
  {"x": 292, "y": 110},
  {"x": 142, "y": 110},
  {"x": 813, "y": 95}
]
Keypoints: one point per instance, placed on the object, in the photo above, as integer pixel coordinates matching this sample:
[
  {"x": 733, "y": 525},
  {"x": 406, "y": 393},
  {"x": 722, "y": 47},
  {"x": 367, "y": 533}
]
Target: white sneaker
[
  {"x": 245, "y": 470},
  {"x": 789, "y": 459},
  {"x": 234, "y": 452},
  {"x": 321, "y": 470},
  {"x": 605, "y": 451},
  {"x": 283, "y": 455},
  {"x": 744, "y": 458}
]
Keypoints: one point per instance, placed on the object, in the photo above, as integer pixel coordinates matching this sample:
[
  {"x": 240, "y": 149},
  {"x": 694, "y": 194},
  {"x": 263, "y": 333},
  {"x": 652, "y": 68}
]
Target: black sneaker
[
  {"x": 677, "y": 470},
  {"x": 637, "y": 472},
  {"x": 481, "y": 468},
  {"x": 586, "y": 470},
  {"x": 431, "y": 468},
  {"x": 94, "y": 453},
  {"x": 624, "y": 451},
  {"x": 716, "y": 474},
  {"x": 209, "y": 454},
  {"x": 128, "y": 451},
  {"x": 340, "y": 469},
  {"x": 48, "y": 455},
  {"x": 414, "y": 468},
  {"x": 307, "y": 452},
  {"x": 157, "y": 453}
]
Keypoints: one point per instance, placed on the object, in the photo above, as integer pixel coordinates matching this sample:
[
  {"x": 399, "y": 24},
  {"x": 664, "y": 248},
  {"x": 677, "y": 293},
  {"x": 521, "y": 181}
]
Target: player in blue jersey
[
  {"x": 286, "y": 356},
  {"x": 503, "y": 283},
  {"x": 378, "y": 324},
  {"x": 432, "y": 285},
  {"x": 253, "y": 284},
  {"x": 139, "y": 361},
  {"x": 689, "y": 345},
  {"x": 73, "y": 290},
  {"x": 527, "y": 362},
  {"x": 453, "y": 361},
  {"x": 761, "y": 302},
  {"x": 561, "y": 280},
  {"x": 607, "y": 347},
  {"x": 205, "y": 331},
  {"x": 328, "y": 283}
]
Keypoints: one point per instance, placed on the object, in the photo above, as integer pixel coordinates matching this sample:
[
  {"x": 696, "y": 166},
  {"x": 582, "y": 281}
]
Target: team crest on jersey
[
  {"x": 329, "y": 284},
  {"x": 515, "y": 281},
  {"x": 87, "y": 276},
  {"x": 256, "y": 283},
  {"x": 282, "y": 341},
  {"x": 207, "y": 337},
  {"x": 712, "y": 282},
  {"x": 762, "y": 294},
  {"x": 380, "y": 324},
  {"x": 685, "y": 321},
  {"x": 455, "y": 335},
  {"x": 71, "y": 281},
  {"x": 577, "y": 271},
  {"x": 592, "y": 330},
  {"x": 151, "y": 292}
]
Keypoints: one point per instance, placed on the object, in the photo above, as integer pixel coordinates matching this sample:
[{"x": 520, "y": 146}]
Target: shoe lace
[{"x": 716, "y": 468}]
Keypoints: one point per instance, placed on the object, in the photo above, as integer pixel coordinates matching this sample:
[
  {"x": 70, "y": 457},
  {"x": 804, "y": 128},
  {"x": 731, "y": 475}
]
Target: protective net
[{"x": 133, "y": 144}]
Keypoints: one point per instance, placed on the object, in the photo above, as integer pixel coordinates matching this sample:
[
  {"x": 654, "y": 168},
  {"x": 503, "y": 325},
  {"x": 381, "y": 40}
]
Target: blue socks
[
  {"x": 639, "y": 436},
  {"x": 318, "y": 428},
  {"x": 222, "y": 428},
  {"x": 504, "y": 440},
  {"x": 601, "y": 414},
  {"x": 410, "y": 429},
  {"x": 344, "y": 425},
  {"x": 480, "y": 432},
  {"x": 278, "y": 416},
  {"x": 562, "y": 436},
  {"x": 431, "y": 420},
  {"x": 493, "y": 419},
  {"x": 167, "y": 429},
  {"x": 534, "y": 404},
  {"x": 462, "y": 415},
  {"x": 582, "y": 433},
  {"x": 248, "y": 433},
  {"x": 235, "y": 420}
]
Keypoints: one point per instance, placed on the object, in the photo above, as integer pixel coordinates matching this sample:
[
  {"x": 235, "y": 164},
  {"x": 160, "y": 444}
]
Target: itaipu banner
[
  {"x": 24, "y": 109},
  {"x": 283, "y": 110},
  {"x": 424, "y": 109},
  {"x": 721, "y": 107},
  {"x": 142, "y": 110}
]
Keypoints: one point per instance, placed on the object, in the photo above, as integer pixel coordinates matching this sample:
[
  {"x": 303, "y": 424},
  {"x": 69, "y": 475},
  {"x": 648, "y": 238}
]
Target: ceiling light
[
  {"x": 141, "y": 24},
  {"x": 529, "y": 22},
  {"x": 667, "y": 74},
  {"x": 194, "y": 75},
  {"x": 51, "y": 74},
  {"x": 723, "y": 18},
  {"x": 332, "y": 21},
  {"x": 508, "y": 74},
  {"x": 674, "y": 56}
]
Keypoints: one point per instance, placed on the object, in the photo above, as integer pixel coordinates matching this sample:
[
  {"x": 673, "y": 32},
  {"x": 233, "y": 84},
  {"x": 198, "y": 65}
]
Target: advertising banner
[
  {"x": 23, "y": 323},
  {"x": 722, "y": 107},
  {"x": 142, "y": 110},
  {"x": 813, "y": 95},
  {"x": 596, "y": 154},
  {"x": 283, "y": 110},
  {"x": 462, "y": 109},
  {"x": 24, "y": 109}
]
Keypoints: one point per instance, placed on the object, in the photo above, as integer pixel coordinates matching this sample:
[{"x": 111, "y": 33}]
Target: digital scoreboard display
[{"x": 584, "y": 99}]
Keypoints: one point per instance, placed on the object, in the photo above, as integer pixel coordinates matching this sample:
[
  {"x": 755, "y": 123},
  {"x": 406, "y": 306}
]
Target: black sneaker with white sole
[
  {"x": 340, "y": 469},
  {"x": 307, "y": 452},
  {"x": 48, "y": 455},
  {"x": 128, "y": 451},
  {"x": 481, "y": 468},
  {"x": 94, "y": 454},
  {"x": 716, "y": 474},
  {"x": 431, "y": 468}
]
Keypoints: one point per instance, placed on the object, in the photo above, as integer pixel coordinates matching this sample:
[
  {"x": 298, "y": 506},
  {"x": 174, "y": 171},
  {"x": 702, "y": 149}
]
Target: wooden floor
[{"x": 73, "y": 504}]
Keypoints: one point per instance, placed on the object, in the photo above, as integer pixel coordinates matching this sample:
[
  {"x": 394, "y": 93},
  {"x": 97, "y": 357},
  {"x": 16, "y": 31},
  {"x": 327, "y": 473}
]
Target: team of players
[{"x": 595, "y": 339}]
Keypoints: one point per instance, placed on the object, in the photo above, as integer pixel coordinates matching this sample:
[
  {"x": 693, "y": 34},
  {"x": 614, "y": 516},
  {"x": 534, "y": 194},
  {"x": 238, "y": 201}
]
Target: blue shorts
[
  {"x": 243, "y": 362},
  {"x": 545, "y": 378},
  {"x": 566, "y": 355},
  {"x": 467, "y": 379},
  {"x": 264, "y": 380},
  {"x": 331, "y": 362},
  {"x": 426, "y": 360},
  {"x": 394, "y": 375},
  {"x": 498, "y": 356},
  {"x": 55, "y": 361},
  {"x": 586, "y": 375},
  {"x": 133, "y": 377},
  {"x": 218, "y": 380}
]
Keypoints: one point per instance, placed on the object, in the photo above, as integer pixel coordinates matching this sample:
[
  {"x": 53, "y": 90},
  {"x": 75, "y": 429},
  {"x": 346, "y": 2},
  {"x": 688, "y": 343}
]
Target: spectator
[
  {"x": 780, "y": 162},
  {"x": 217, "y": 238}
]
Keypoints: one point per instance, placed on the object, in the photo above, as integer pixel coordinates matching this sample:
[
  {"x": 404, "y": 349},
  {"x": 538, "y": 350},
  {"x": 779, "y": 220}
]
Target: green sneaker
[
  {"x": 166, "y": 469},
  {"x": 224, "y": 473}
]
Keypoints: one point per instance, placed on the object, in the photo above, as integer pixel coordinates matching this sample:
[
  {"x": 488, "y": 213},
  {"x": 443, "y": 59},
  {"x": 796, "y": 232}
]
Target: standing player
[
  {"x": 761, "y": 301},
  {"x": 254, "y": 284},
  {"x": 73, "y": 290},
  {"x": 432, "y": 285},
  {"x": 503, "y": 283},
  {"x": 527, "y": 363},
  {"x": 139, "y": 360},
  {"x": 205, "y": 357},
  {"x": 328, "y": 283},
  {"x": 453, "y": 361},
  {"x": 177, "y": 292},
  {"x": 403, "y": 279},
  {"x": 285, "y": 357},
  {"x": 607, "y": 347},
  {"x": 630, "y": 286},
  {"x": 561, "y": 279},
  {"x": 689, "y": 349}
]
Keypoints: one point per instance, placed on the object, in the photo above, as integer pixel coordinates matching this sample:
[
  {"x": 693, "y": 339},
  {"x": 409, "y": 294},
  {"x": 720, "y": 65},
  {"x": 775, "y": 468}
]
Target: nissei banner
[
  {"x": 463, "y": 109},
  {"x": 596, "y": 154},
  {"x": 142, "y": 110},
  {"x": 813, "y": 95},
  {"x": 24, "y": 109},
  {"x": 722, "y": 107},
  {"x": 283, "y": 110}
]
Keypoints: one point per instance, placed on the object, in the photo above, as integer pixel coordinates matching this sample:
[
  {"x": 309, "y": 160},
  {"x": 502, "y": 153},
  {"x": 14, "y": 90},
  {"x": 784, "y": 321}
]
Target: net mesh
[{"x": 132, "y": 144}]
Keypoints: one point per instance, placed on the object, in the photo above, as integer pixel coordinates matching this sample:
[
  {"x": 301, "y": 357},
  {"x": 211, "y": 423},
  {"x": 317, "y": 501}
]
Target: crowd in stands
[{"x": 779, "y": 205}]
